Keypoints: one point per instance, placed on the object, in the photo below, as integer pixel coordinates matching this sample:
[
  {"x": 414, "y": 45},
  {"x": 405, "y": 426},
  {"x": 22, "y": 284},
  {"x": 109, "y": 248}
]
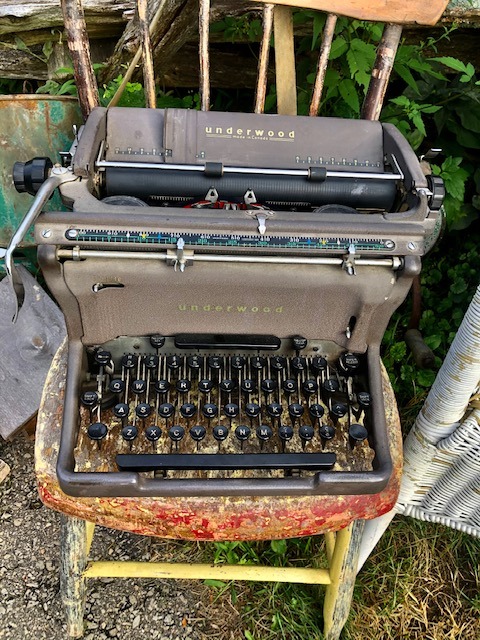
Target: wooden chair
[{"x": 339, "y": 518}]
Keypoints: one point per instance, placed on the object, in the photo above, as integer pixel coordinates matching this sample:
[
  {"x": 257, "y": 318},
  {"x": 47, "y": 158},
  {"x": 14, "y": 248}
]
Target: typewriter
[{"x": 226, "y": 281}]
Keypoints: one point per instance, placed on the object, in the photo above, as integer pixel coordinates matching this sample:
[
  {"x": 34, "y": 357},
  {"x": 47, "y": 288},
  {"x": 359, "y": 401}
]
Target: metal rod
[
  {"x": 75, "y": 27},
  {"x": 263, "y": 58},
  {"x": 82, "y": 254},
  {"x": 382, "y": 68},
  {"x": 302, "y": 173},
  {"x": 203, "y": 29},
  {"x": 328, "y": 33},
  {"x": 148, "y": 73}
]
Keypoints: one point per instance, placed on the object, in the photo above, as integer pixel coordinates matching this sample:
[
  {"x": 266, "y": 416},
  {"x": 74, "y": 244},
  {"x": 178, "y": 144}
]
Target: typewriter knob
[
  {"x": 348, "y": 363},
  {"x": 264, "y": 433},
  {"x": 143, "y": 410},
  {"x": 195, "y": 362},
  {"x": 117, "y": 386},
  {"x": 327, "y": 432},
  {"x": 129, "y": 361},
  {"x": 364, "y": 399},
  {"x": 151, "y": 362},
  {"x": 242, "y": 433},
  {"x": 157, "y": 341},
  {"x": 356, "y": 434},
  {"x": 153, "y": 433},
  {"x": 306, "y": 432},
  {"x": 176, "y": 433},
  {"x": 316, "y": 411},
  {"x": 252, "y": 410},
  {"x": 102, "y": 357},
  {"x": 29, "y": 176},
  {"x": 220, "y": 433},
  {"x": 89, "y": 399},
  {"x": 285, "y": 432},
  {"x": 318, "y": 364},
  {"x": 187, "y": 410},
  {"x": 278, "y": 363},
  {"x": 97, "y": 431},
  {"x": 299, "y": 343},
  {"x": 129, "y": 432},
  {"x": 309, "y": 387},
  {"x": 198, "y": 433}
]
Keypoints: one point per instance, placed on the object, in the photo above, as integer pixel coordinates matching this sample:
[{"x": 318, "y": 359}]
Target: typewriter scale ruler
[{"x": 212, "y": 240}]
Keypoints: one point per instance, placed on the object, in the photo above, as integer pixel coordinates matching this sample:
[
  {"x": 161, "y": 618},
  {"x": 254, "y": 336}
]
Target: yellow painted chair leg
[
  {"x": 343, "y": 571},
  {"x": 73, "y": 560}
]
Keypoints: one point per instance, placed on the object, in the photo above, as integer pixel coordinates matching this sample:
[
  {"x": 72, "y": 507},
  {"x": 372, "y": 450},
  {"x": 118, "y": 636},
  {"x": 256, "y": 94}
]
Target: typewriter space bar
[{"x": 224, "y": 461}]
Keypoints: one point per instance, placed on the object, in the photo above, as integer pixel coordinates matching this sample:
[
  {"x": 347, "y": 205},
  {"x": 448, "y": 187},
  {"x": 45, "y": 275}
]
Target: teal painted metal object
[{"x": 30, "y": 125}]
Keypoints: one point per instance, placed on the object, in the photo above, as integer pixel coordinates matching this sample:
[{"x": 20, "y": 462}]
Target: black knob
[
  {"x": 139, "y": 386},
  {"x": 258, "y": 362},
  {"x": 157, "y": 341},
  {"x": 356, "y": 434},
  {"x": 330, "y": 386},
  {"x": 150, "y": 362},
  {"x": 318, "y": 364},
  {"x": 176, "y": 433},
  {"x": 198, "y": 433},
  {"x": 143, "y": 410},
  {"x": 306, "y": 432},
  {"x": 183, "y": 386},
  {"x": 285, "y": 433},
  {"x": 299, "y": 364},
  {"x": 215, "y": 362},
  {"x": 166, "y": 410},
  {"x": 174, "y": 362},
  {"x": 299, "y": 343},
  {"x": 242, "y": 433},
  {"x": 437, "y": 187},
  {"x": 102, "y": 357},
  {"x": 129, "y": 432},
  {"x": 210, "y": 410},
  {"x": 29, "y": 176},
  {"x": 129, "y": 361},
  {"x": 153, "y": 433},
  {"x": 220, "y": 433},
  {"x": 316, "y": 411},
  {"x": 231, "y": 410},
  {"x": 195, "y": 362},
  {"x": 252, "y": 410},
  {"x": 364, "y": 399},
  {"x": 120, "y": 410},
  {"x": 205, "y": 386},
  {"x": 309, "y": 387},
  {"x": 268, "y": 385},
  {"x": 327, "y": 432},
  {"x": 274, "y": 410},
  {"x": 348, "y": 364},
  {"x": 248, "y": 385},
  {"x": 227, "y": 386},
  {"x": 278, "y": 363},
  {"x": 238, "y": 362},
  {"x": 337, "y": 411},
  {"x": 289, "y": 386},
  {"x": 161, "y": 387},
  {"x": 89, "y": 399},
  {"x": 264, "y": 433},
  {"x": 117, "y": 386},
  {"x": 187, "y": 410},
  {"x": 97, "y": 431}
]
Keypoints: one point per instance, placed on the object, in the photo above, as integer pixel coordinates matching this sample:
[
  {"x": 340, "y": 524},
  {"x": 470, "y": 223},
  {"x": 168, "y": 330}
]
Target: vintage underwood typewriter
[{"x": 226, "y": 281}]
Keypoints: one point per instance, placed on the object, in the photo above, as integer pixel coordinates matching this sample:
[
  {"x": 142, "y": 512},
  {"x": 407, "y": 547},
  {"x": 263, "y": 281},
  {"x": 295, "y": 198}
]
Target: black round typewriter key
[
  {"x": 316, "y": 411},
  {"x": 174, "y": 362},
  {"x": 248, "y": 386},
  {"x": 264, "y": 432},
  {"x": 116, "y": 386},
  {"x": 306, "y": 432},
  {"x": 298, "y": 364},
  {"x": 129, "y": 432},
  {"x": 327, "y": 432},
  {"x": 268, "y": 385},
  {"x": 299, "y": 343},
  {"x": 309, "y": 387},
  {"x": 161, "y": 387},
  {"x": 176, "y": 433},
  {"x": 102, "y": 357},
  {"x": 242, "y": 433},
  {"x": 330, "y": 386},
  {"x": 237, "y": 362},
  {"x": 285, "y": 432},
  {"x": 157, "y": 341},
  {"x": 274, "y": 409},
  {"x": 210, "y": 410},
  {"x": 187, "y": 410},
  {"x": 356, "y": 434},
  {"x": 348, "y": 364},
  {"x": 252, "y": 410},
  {"x": 220, "y": 433},
  {"x": 198, "y": 433},
  {"x": 166, "y": 410},
  {"x": 129, "y": 361},
  {"x": 153, "y": 433},
  {"x": 215, "y": 363},
  {"x": 231, "y": 410},
  {"x": 364, "y": 399},
  {"x": 195, "y": 362},
  {"x": 295, "y": 410},
  {"x": 258, "y": 363},
  {"x": 337, "y": 411},
  {"x": 227, "y": 386},
  {"x": 278, "y": 363},
  {"x": 151, "y": 362},
  {"x": 139, "y": 386},
  {"x": 318, "y": 364},
  {"x": 143, "y": 410},
  {"x": 205, "y": 386},
  {"x": 89, "y": 399},
  {"x": 183, "y": 386},
  {"x": 120, "y": 410},
  {"x": 97, "y": 431},
  {"x": 289, "y": 386}
]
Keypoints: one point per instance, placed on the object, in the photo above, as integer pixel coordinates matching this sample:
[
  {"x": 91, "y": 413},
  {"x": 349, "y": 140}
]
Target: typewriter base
[{"x": 206, "y": 518}]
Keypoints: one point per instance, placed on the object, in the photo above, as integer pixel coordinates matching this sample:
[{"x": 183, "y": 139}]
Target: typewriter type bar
[{"x": 153, "y": 418}]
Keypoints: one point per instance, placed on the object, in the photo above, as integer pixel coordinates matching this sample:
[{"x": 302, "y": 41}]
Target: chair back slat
[
  {"x": 263, "y": 58},
  {"x": 325, "y": 47},
  {"x": 203, "y": 53}
]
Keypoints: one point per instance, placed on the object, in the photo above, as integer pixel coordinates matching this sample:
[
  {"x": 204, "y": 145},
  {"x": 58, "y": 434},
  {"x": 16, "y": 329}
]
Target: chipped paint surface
[{"x": 206, "y": 518}]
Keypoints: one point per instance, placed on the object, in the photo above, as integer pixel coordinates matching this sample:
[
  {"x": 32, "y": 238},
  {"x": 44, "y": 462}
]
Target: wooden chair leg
[
  {"x": 74, "y": 543},
  {"x": 343, "y": 571}
]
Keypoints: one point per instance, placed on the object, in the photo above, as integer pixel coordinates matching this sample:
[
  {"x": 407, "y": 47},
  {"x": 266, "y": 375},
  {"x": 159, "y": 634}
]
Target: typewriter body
[{"x": 226, "y": 281}]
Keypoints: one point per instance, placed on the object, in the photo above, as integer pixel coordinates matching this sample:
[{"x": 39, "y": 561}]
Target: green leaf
[
  {"x": 279, "y": 547},
  {"x": 349, "y": 94},
  {"x": 452, "y": 63},
  {"x": 433, "y": 341},
  {"x": 47, "y": 49},
  {"x": 338, "y": 48},
  {"x": 418, "y": 122},
  {"x": 459, "y": 286},
  {"x": 470, "y": 119},
  {"x": 406, "y": 75},
  {"x": 218, "y": 584},
  {"x": 318, "y": 22},
  {"x": 20, "y": 44},
  {"x": 248, "y": 635},
  {"x": 426, "y": 377}
]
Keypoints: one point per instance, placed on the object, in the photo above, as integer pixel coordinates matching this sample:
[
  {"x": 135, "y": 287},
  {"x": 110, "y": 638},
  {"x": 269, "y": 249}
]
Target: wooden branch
[
  {"x": 328, "y": 33},
  {"x": 80, "y": 51},
  {"x": 263, "y": 58},
  {"x": 148, "y": 75},
  {"x": 203, "y": 53}
]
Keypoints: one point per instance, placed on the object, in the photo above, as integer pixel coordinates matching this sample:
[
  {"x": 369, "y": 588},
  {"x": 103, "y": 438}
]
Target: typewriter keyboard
[{"x": 284, "y": 410}]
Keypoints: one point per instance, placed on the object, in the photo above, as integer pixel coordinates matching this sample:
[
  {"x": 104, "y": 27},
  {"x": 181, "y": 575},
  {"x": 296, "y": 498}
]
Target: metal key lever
[{"x": 58, "y": 176}]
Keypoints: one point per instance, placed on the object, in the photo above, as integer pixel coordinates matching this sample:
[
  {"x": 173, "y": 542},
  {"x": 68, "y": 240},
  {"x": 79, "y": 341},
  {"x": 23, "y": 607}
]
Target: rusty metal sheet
[
  {"x": 30, "y": 125},
  {"x": 206, "y": 518}
]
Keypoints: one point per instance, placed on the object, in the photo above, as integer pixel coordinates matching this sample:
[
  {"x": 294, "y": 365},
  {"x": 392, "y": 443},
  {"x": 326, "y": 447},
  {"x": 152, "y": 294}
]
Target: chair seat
[{"x": 206, "y": 518}]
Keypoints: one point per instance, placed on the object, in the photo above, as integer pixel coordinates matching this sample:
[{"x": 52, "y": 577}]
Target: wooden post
[
  {"x": 78, "y": 44},
  {"x": 73, "y": 560},
  {"x": 327, "y": 38},
  {"x": 148, "y": 75},
  {"x": 203, "y": 53},
  {"x": 285, "y": 61},
  {"x": 382, "y": 68},
  {"x": 263, "y": 58}
]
